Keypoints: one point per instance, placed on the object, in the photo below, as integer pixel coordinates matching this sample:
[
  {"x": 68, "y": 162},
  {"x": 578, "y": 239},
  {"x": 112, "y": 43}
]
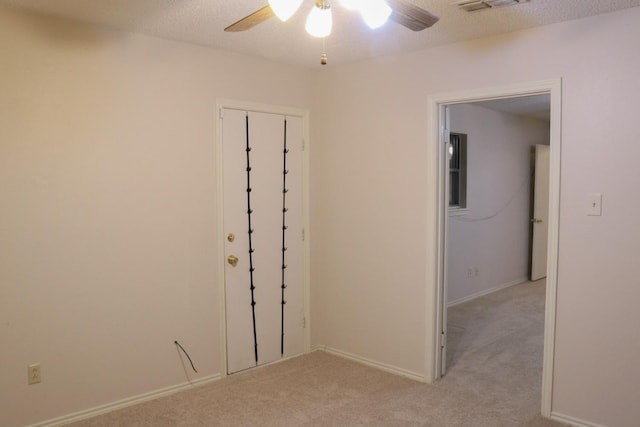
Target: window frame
[{"x": 458, "y": 166}]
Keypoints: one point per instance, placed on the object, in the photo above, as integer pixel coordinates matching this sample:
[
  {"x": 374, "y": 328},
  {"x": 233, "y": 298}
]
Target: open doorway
[
  {"x": 495, "y": 313},
  {"x": 441, "y": 121},
  {"x": 490, "y": 180}
]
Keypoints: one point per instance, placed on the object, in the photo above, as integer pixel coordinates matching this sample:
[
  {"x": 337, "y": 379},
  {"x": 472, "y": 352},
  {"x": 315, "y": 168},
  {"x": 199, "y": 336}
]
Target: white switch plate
[
  {"x": 35, "y": 375},
  {"x": 594, "y": 204}
]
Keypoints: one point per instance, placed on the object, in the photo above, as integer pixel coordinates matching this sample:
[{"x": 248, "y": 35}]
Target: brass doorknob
[{"x": 232, "y": 260}]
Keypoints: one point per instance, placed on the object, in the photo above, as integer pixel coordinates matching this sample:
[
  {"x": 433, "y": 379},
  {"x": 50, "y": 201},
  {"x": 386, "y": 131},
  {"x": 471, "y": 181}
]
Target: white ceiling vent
[{"x": 474, "y": 5}]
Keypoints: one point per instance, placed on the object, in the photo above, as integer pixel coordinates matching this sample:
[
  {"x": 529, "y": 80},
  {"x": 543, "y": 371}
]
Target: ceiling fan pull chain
[{"x": 323, "y": 57}]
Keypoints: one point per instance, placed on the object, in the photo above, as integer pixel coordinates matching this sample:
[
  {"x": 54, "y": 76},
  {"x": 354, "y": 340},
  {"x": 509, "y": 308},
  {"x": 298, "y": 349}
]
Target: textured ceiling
[{"x": 202, "y": 22}]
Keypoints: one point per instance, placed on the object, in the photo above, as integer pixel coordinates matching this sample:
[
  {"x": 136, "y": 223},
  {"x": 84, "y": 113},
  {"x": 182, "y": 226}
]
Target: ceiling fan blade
[
  {"x": 410, "y": 15},
  {"x": 252, "y": 20}
]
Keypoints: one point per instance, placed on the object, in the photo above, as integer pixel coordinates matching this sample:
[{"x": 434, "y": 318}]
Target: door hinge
[
  {"x": 303, "y": 145},
  {"x": 303, "y": 234},
  {"x": 446, "y": 135},
  {"x": 221, "y": 113},
  {"x": 304, "y": 322},
  {"x": 442, "y": 339}
]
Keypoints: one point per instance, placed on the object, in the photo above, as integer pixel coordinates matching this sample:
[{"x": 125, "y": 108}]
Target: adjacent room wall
[
  {"x": 371, "y": 191},
  {"x": 108, "y": 219},
  {"x": 492, "y": 237}
]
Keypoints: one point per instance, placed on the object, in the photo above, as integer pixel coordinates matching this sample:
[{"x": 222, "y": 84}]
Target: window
[{"x": 458, "y": 171}]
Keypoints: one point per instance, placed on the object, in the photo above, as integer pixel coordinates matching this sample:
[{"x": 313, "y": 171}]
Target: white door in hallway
[
  {"x": 262, "y": 162},
  {"x": 540, "y": 218}
]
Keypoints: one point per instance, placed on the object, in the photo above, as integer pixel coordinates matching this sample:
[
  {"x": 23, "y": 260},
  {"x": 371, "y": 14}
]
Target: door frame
[
  {"x": 436, "y": 221},
  {"x": 222, "y": 104}
]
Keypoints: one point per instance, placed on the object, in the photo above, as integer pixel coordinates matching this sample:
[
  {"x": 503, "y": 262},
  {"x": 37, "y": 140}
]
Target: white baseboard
[
  {"x": 572, "y": 421},
  {"x": 130, "y": 401},
  {"x": 488, "y": 291},
  {"x": 378, "y": 365}
]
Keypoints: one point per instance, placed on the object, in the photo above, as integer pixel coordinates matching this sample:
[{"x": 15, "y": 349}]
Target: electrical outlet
[
  {"x": 34, "y": 373},
  {"x": 594, "y": 204},
  {"x": 473, "y": 271}
]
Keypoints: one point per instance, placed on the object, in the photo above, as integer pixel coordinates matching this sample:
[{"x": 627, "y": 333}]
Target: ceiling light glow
[
  {"x": 375, "y": 13},
  {"x": 351, "y": 4},
  {"x": 284, "y": 9},
  {"x": 319, "y": 21}
]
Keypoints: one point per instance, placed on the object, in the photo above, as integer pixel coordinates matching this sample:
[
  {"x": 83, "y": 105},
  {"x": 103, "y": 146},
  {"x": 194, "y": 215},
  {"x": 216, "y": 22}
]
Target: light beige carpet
[{"x": 494, "y": 377}]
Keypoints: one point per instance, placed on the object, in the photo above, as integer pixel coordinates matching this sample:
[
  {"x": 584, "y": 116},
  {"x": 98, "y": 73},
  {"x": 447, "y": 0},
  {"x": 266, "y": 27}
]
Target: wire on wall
[
  {"x": 250, "y": 232},
  {"x": 466, "y": 218},
  {"x": 186, "y": 354},
  {"x": 284, "y": 232}
]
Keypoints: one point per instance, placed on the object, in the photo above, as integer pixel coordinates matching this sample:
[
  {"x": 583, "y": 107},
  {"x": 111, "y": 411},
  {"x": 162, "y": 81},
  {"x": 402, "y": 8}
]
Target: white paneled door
[
  {"x": 262, "y": 162},
  {"x": 540, "y": 218}
]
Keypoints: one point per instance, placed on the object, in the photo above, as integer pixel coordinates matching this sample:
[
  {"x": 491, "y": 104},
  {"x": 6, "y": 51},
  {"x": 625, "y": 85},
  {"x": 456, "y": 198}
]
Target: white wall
[
  {"x": 498, "y": 169},
  {"x": 108, "y": 205},
  {"x": 370, "y": 190},
  {"x": 108, "y": 218}
]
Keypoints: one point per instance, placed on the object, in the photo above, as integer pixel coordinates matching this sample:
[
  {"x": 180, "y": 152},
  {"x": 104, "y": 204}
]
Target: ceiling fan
[{"x": 375, "y": 13}]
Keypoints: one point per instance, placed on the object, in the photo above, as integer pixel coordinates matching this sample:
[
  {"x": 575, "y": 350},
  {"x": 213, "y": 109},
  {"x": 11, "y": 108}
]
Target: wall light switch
[
  {"x": 594, "y": 204},
  {"x": 35, "y": 376}
]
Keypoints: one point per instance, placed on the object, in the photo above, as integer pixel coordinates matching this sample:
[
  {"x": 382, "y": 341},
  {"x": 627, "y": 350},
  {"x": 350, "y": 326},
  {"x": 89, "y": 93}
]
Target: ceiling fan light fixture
[
  {"x": 319, "y": 21},
  {"x": 284, "y": 9},
  {"x": 375, "y": 13}
]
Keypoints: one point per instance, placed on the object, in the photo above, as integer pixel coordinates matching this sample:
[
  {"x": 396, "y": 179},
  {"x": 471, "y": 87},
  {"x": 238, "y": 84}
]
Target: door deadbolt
[
  {"x": 536, "y": 220},
  {"x": 231, "y": 237},
  {"x": 232, "y": 260}
]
